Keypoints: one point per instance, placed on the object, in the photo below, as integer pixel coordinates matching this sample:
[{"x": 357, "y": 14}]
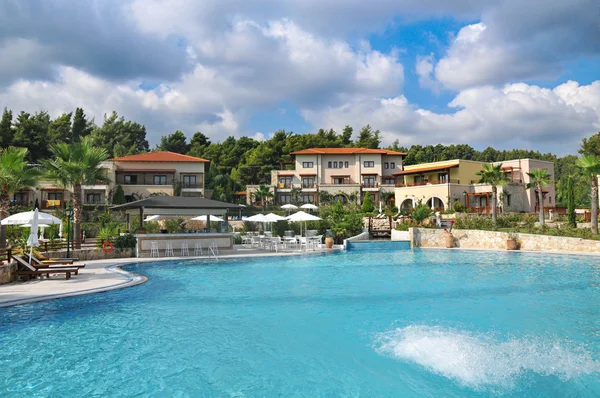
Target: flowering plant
[{"x": 451, "y": 225}]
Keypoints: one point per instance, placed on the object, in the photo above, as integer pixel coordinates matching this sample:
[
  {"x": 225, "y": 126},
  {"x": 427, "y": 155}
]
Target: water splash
[{"x": 479, "y": 361}]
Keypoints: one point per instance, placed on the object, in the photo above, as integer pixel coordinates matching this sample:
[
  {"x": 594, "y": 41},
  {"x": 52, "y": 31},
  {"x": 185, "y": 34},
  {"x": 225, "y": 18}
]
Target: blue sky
[{"x": 500, "y": 73}]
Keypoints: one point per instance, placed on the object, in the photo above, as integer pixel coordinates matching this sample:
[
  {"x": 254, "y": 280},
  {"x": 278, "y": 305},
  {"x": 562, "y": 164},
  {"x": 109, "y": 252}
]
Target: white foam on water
[{"x": 480, "y": 361}]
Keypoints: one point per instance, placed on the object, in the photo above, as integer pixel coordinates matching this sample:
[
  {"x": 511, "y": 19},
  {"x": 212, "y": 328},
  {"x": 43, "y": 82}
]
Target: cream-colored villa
[
  {"x": 440, "y": 184},
  {"x": 140, "y": 176},
  {"x": 347, "y": 173},
  {"x": 344, "y": 173}
]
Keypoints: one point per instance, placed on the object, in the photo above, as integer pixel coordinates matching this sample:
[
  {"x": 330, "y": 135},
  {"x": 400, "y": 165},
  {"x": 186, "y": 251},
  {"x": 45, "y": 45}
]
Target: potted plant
[
  {"x": 449, "y": 237},
  {"x": 329, "y": 242},
  {"x": 511, "y": 241}
]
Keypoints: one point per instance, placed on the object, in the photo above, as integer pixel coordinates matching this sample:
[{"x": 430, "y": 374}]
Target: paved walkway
[{"x": 104, "y": 275}]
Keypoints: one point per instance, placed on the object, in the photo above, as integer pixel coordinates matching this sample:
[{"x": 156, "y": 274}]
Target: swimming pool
[{"x": 383, "y": 323}]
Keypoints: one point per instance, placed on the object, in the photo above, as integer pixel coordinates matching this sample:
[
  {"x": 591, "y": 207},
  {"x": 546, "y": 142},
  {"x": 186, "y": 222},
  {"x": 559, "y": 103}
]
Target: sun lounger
[
  {"x": 51, "y": 263},
  {"x": 30, "y": 271}
]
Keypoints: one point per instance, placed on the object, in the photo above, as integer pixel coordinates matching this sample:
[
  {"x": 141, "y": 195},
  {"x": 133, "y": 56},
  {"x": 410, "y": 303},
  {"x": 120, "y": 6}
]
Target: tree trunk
[
  {"x": 494, "y": 196},
  {"x": 4, "y": 204},
  {"x": 541, "y": 202},
  {"x": 77, "y": 210},
  {"x": 594, "y": 204}
]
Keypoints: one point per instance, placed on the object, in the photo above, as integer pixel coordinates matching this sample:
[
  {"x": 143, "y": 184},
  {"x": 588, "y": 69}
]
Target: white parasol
[
  {"x": 203, "y": 218},
  {"x": 302, "y": 216},
  {"x": 32, "y": 240}
]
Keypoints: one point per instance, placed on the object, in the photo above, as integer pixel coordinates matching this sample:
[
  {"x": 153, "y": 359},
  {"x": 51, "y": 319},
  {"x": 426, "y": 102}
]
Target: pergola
[{"x": 176, "y": 206}]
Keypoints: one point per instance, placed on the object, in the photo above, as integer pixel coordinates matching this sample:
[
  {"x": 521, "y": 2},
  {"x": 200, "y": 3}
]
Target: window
[
  {"x": 285, "y": 198},
  {"x": 392, "y": 165},
  {"x": 93, "y": 198},
  {"x": 369, "y": 181},
  {"x": 549, "y": 199},
  {"x": 285, "y": 182},
  {"x": 443, "y": 177},
  {"x": 346, "y": 164},
  {"x": 328, "y": 165},
  {"x": 335, "y": 165},
  {"x": 338, "y": 180},
  {"x": 307, "y": 165},
  {"x": 21, "y": 198},
  {"x": 160, "y": 180},
  {"x": 369, "y": 164},
  {"x": 389, "y": 180},
  {"x": 130, "y": 180},
  {"x": 307, "y": 198},
  {"x": 507, "y": 199},
  {"x": 189, "y": 181},
  {"x": 55, "y": 195},
  {"x": 386, "y": 165},
  {"x": 308, "y": 182},
  {"x": 419, "y": 179}
]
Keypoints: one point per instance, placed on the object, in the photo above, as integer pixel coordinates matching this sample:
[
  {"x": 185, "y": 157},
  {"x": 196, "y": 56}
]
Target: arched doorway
[
  {"x": 340, "y": 197},
  {"x": 407, "y": 204},
  {"x": 435, "y": 203}
]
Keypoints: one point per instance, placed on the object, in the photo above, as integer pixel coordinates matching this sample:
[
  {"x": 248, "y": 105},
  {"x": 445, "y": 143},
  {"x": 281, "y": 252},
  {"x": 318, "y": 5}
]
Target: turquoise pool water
[{"x": 397, "y": 323}]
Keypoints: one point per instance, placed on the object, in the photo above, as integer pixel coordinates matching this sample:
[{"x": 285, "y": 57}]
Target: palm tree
[
  {"x": 590, "y": 165},
  {"x": 15, "y": 174},
  {"x": 493, "y": 175},
  {"x": 75, "y": 165},
  {"x": 538, "y": 179},
  {"x": 263, "y": 193}
]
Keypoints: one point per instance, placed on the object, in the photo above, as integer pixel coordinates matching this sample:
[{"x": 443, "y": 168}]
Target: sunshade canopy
[
  {"x": 203, "y": 218},
  {"x": 26, "y": 217},
  {"x": 309, "y": 206},
  {"x": 302, "y": 216},
  {"x": 289, "y": 206},
  {"x": 177, "y": 206}
]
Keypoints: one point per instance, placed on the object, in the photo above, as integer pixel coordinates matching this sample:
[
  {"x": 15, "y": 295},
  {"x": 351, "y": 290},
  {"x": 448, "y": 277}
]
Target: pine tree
[
  {"x": 571, "y": 203},
  {"x": 367, "y": 205},
  {"x": 6, "y": 130},
  {"x": 81, "y": 126},
  {"x": 118, "y": 196}
]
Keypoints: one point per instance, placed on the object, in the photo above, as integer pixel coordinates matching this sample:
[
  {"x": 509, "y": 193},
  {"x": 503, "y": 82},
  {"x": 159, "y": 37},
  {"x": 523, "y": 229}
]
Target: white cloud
[
  {"x": 424, "y": 69},
  {"x": 513, "y": 116},
  {"x": 516, "y": 42}
]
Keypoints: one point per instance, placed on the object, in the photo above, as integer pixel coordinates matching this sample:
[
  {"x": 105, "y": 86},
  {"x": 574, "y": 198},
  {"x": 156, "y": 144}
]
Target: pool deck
[{"x": 104, "y": 275}]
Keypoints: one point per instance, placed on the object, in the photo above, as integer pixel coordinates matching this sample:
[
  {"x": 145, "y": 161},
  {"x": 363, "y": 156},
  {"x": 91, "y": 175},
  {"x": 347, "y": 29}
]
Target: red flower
[{"x": 452, "y": 222}]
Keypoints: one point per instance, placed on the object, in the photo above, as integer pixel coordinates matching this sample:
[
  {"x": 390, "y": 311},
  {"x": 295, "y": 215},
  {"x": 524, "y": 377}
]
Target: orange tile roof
[
  {"x": 346, "y": 151},
  {"x": 160, "y": 156},
  {"x": 427, "y": 168}
]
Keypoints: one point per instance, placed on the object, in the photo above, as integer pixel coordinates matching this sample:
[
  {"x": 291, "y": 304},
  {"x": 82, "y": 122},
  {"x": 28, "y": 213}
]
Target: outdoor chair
[
  {"x": 288, "y": 233},
  {"x": 169, "y": 250},
  {"x": 28, "y": 270},
  {"x": 51, "y": 264},
  {"x": 198, "y": 248},
  {"x": 154, "y": 249},
  {"x": 310, "y": 233},
  {"x": 303, "y": 242},
  {"x": 184, "y": 249}
]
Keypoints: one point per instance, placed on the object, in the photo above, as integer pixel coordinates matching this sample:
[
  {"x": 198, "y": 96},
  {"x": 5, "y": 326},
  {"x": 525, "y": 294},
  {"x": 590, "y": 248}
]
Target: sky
[{"x": 507, "y": 74}]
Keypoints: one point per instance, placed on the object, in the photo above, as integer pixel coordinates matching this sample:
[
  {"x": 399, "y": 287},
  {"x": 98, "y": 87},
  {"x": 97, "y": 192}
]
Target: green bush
[
  {"x": 152, "y": 227},
  {"x": 126, "y": 241},
  {"x": 421, "y": 212},
  {"x": 367, "y": 205},
  {"x": 403, "y": 226},
  {"x": 106, "y": 234},
  {"x": 91, "y": 229},
  {"x": 173, "y": 225},
  {"x": 474, "y": 222},
  {"x": 458, "y": 207}
]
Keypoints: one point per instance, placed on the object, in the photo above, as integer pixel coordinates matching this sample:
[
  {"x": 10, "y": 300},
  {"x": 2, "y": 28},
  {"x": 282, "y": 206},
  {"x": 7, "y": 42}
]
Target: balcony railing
[
  {"x": 52, "y": 204},
  {"x": 309, "y": 186},
  {"x": 284, "y": 185},
  {"x": 370, "y": 185},
  {"x": 192, "y": 185},
  {"x": 423, "y": 183},
  {"x": 483, "y": 209}
]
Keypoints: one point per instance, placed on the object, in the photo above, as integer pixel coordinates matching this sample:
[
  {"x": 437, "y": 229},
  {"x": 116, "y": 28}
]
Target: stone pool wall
[
  {"x": 93, "y": 254},
  {"x": 475, "y": 239},
  {"x": 7, "y": 273}
]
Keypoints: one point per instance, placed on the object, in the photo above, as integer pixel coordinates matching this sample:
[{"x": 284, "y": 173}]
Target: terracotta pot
[
  {"x": 329, "y": 242},
  {"x": 511, "y": 244},
  {"x": 449, "y": 240}
]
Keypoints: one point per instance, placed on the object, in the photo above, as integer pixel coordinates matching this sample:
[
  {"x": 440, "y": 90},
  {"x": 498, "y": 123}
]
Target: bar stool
[
  {"x": 184, "y": 249},
  {"x": 169, "y": 250},
  {"x": 154, "y": 249},
  {"x": 198, "y": 249}
]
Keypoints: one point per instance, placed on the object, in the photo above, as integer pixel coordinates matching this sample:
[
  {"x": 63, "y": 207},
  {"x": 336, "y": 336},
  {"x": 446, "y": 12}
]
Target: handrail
[{"x": 212, "y": 248}]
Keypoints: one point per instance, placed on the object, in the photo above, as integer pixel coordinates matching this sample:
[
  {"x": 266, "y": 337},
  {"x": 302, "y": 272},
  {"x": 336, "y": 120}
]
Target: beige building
[
  {"x": 143, "y": 175},
  {"x": 440, "y": 184},
  {"x": 344, "y": 173}
]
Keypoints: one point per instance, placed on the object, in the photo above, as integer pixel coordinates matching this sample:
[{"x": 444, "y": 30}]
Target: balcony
[
  {"x": 52, "y": 204},
  {"x": 189, "y": 185},
  {"x": 425, "y": 183},
  {"x": 285, "y": 185}
]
